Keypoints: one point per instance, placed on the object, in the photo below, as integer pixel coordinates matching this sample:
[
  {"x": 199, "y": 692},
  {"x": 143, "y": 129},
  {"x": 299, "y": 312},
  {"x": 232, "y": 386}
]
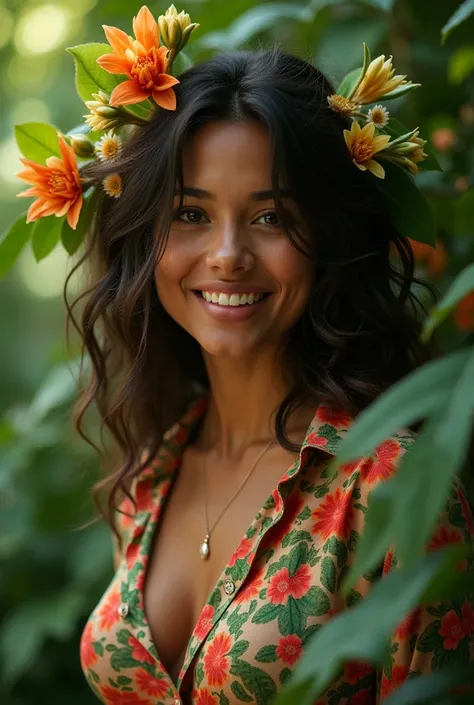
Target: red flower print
[
  {"x": 409, "y": 625},
  {"x": 399, "y": 676},
  {"x": 334, "y": 515},
  {"x": 333, "y": 416},
  {"x": 253, "y": 586},
  {"x": 467, "y": 618},
  {"x": 126, "y": 522},
  {"x": 289, "y": 649},
  {"x": 87, "y": 654},
  {"x": 139, "y": 653},
  {"x": 204, "y": 622},
  {"x": 131, "y": 554},
  {"x": 282, "y": 586},
  {"x": 443, "y": 538},
  {"x": 143, "y": 495},
  {"x": 156, "y": 687},
  {"x": 242, "y": 551},
  {"x": 314, "y": 439},
  {"x": 204, "y": 697},
  {"x": 118, "y": 697},
  {"x": 277, "y": 500},
  {"x": 294, "y": 505},
  {"x": 363, "y": 697},
  {"x": 387, "y": 564},
  {"x": 452, "y": 630},
  {"x": 356, "y": 671},
  {"x": 216, "y": 664},
  {"x": 383, "y": 465},
  {"x": 181, "y": 436},
  {"x": 107, "y": 613},
  {"x": 466, "y": 511}
]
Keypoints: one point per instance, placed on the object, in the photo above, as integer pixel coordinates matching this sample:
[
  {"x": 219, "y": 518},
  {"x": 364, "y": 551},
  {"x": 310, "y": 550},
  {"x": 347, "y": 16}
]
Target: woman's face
[{"x": 229, "y": 275}]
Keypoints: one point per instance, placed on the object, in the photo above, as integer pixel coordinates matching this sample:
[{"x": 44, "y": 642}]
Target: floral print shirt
[{"x": 280, "y": 585}]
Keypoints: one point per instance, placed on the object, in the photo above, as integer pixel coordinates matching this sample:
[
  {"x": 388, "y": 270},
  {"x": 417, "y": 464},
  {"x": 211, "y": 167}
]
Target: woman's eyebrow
[
  {"x": 270, "y": 195},
  {"x": 195, "y": 192}
]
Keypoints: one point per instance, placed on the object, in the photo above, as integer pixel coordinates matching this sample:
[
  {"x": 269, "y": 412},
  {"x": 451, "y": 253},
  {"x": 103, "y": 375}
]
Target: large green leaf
[
  {"x": 90, "y": 77},
  {"x": 46, "y": 235},
  {"x": 362, "y": 633},
  {"x": 464, "y": 11},
  {"x": 403, "y": 511},
  {"x": 256, "y": 20},
  {"x": 410, "y": 212},
  {"x": 461, "y": 286},
  {"x": 421, "y": 393},
  {"x": 428, "y": 690},
  {"x": 13, "y": 241},
  {"x": 37, "y": 141}
]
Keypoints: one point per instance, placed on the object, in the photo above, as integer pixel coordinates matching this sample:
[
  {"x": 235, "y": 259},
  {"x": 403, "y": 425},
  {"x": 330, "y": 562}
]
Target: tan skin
[{"x": 224, "y": 237}]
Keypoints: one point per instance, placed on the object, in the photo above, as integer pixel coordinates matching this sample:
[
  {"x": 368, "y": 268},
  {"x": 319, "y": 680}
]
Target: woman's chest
[{"x": 179, "y": 581}]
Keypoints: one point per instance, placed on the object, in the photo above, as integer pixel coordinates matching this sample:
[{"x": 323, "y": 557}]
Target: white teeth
[{"x": 223, "y": 299}]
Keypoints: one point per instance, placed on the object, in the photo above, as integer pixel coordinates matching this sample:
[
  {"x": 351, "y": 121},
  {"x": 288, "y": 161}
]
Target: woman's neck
[{"x": 244, "y": 397}]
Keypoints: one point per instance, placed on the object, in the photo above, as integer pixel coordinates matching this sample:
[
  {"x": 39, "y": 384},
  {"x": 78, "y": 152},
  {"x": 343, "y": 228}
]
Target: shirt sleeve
[{"x": 438, "y": 635}]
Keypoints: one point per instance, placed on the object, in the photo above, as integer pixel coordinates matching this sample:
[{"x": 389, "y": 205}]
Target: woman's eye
[
  {"x": 190, "y": 215},
  {"x": 271, "y": 218}
]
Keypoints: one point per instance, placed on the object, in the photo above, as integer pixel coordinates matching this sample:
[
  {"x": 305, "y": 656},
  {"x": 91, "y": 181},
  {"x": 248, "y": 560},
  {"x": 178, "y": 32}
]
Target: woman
[{"x": 249, "y": 307}]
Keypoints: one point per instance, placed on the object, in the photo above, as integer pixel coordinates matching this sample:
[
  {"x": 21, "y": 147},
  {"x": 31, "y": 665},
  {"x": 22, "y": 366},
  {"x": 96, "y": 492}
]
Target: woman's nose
[{"x": 229, "y": 250}]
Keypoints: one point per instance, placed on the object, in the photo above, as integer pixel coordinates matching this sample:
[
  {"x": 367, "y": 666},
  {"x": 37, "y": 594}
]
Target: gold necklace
[{"x": 205, "y": 549}]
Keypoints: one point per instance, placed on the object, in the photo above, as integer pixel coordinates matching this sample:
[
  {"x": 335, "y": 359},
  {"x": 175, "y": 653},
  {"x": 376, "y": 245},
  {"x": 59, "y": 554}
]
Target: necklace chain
[{"x": 205, "y": 548}]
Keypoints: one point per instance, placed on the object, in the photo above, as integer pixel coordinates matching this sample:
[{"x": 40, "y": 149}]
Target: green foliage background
[{"x": 51, "y": 574}]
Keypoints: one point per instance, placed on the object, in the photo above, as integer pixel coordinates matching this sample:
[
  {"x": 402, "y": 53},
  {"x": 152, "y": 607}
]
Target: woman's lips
[{"x": 230, "y": 313}]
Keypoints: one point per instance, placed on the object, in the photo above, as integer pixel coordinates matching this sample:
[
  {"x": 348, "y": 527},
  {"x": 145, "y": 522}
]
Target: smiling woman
[{"x": 246, "y": 305}]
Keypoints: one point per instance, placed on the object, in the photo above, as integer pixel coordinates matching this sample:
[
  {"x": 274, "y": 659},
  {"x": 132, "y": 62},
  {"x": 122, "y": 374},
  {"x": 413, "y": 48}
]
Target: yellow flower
[
  {"x": 377, "y": 81},
  {"x": 363, "y": 144},
  {"x": 341, "y": 105},
  {"x": 113, "y": 185},
  {"x": 104, "y": 117},
  {"x": 108, "y": 147},
  {"x": 409, "y": 152},
  {"x": 378, "y": 115},
  {"x": 175, "y": 29}
]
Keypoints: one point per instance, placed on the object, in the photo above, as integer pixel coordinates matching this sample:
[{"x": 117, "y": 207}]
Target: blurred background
[{"x": 51, "y": 573}]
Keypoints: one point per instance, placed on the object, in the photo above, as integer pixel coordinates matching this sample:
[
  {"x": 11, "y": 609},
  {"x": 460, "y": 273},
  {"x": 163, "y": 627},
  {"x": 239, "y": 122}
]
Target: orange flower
[
  {"x": 57, "y": 186},
  {"x": 434, "y": 259},
  {"x": 362, "y": 144},
  {"x": 142, "y": 60}
]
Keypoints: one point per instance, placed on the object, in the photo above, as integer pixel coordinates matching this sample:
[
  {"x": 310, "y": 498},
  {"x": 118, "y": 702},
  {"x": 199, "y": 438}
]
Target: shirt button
[
  {"x": 229, "y": 587},
  {"x": 123, "y": 609}
]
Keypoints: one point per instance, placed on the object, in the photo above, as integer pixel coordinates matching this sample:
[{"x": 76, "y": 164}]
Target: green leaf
[
  {"x": 384, "y": 5},
  {"x": 256, "y": 20},
  {"x": 409, "y": 211},
  {"x": 240, "y": 693},
  {"x": 46, "y": 235},
  {"x": 422, "y": 392},
  {"x": 267, "y": 654},
  {"x": 428, "y": 689},
  {"x": 464, "y": 11},
  {"x": 403, "y": 511},
  {"x": 12, "y": 242},
  {"x": 348, "y": 82},
  {"x": 72, "y": 239},
  {"x": 90, "y": 77},
  {"x": 361, "y": 633},
  {"x": 37, "y": 141},
  {"x": 328, "y": 574},
  {"x": 395, "y": 128},
  {"x": 461, "y": 64},
  {"x": 460, "y": 287}
]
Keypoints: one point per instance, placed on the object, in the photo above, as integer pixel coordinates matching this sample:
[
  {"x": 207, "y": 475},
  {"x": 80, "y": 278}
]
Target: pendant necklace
[{"x": 205, "y": 549}]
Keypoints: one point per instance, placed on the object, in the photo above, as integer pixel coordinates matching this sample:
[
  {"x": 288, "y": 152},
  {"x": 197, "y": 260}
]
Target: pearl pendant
[{"x": 204, "y": 550}]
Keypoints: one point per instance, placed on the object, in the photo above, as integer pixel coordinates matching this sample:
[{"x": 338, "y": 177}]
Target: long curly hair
[{"x": 360, "y": 331}]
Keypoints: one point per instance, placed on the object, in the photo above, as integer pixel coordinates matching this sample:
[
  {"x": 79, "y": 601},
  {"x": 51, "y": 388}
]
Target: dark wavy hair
[{"x": 360, "y": 331}]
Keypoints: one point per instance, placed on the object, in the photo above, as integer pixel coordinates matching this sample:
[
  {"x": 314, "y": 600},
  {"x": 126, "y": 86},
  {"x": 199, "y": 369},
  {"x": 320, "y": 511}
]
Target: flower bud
[
  {"x": 175, "y": 29},
  {"x": 81, "y": 146}
]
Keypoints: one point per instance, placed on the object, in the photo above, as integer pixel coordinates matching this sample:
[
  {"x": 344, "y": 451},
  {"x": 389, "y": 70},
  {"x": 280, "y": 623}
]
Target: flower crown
[{"x": 122, "y": 82}]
